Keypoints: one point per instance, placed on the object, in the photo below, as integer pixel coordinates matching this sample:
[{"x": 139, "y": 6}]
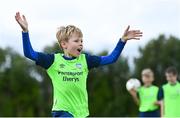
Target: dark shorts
[
  {"x": 155, "y": 113},
  {"x": 61, "y": 114}
]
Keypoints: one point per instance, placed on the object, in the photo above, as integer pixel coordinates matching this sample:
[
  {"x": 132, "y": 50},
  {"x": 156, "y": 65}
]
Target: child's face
[
  {"x": 171, "y": 78},
  {"x": 73, "y": 46},
  {"x": 147, "y": 79}
]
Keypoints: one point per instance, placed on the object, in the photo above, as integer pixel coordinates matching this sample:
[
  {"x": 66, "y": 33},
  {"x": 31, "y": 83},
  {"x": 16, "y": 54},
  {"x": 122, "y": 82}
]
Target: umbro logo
[{"x": 62, "y": 65}]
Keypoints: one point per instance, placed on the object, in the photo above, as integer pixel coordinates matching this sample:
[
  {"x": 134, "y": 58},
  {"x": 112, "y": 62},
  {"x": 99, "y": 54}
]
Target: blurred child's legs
[
  {"x": 61, "y": 114},
  {"x": 155, "y": 113}
]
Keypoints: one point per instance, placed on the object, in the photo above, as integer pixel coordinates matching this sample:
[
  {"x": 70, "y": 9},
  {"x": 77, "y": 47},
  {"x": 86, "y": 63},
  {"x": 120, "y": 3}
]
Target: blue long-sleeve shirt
[{"x": 46, "y": 60}]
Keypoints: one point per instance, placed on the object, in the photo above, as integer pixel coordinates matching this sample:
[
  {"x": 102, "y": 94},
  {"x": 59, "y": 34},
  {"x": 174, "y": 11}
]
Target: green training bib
[
  {"x": 69, "y": 85},
  {"x": 172, "y": 100},
  {"x": 147, "y": 97}
]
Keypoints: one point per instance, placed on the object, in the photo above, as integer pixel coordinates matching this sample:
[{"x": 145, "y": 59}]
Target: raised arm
[
  {"x": 41, "y": 59},
  {"x": 27, "y": 48},
  {"x": 128, "y": 35}
]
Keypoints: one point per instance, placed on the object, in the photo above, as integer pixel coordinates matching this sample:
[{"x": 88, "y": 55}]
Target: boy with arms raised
[{"x": 68, "y": 71}]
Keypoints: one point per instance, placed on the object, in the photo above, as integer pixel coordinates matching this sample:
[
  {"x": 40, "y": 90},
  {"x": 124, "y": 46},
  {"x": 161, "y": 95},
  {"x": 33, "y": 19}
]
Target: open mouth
[{"x": 79, "y": 49}]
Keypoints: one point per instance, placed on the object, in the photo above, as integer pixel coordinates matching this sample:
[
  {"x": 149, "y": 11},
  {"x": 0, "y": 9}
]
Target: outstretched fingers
[
  {"x": 127, "y": 29},
  {"x": 24, "y": 18},
  {"x": 136, "y": 38},
  {"x": 136, "y": 34},
  {"x": 18, "y": 17},
  {"x": 21, "y": 20}
]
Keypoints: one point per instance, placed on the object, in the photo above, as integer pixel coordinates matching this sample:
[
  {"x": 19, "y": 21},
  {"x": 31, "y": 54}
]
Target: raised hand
[
  {"x": 131, "y": 34},
  {"x": 22, "y": 21}
]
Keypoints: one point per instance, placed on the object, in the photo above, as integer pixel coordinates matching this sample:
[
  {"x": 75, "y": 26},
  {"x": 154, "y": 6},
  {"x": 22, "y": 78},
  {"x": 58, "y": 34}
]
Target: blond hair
[{"x": 64, "y": 33}]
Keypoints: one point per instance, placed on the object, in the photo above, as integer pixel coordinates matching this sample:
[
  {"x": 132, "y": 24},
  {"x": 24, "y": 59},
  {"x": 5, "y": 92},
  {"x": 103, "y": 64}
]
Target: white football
[{"x": 133, "y": 83}]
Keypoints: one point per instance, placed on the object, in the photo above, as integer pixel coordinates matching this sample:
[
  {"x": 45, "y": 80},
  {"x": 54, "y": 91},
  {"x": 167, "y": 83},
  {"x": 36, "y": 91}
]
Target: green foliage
[
  {"x": 2, "y": 56},
  {"x": 19, "y": 92}
]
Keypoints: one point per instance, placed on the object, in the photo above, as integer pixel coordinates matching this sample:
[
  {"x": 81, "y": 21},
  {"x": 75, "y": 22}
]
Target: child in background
[
  {"x": 147, "y": 95},
  {"x": 68, "y": 71},
  {"x": 170, "y": 94}
]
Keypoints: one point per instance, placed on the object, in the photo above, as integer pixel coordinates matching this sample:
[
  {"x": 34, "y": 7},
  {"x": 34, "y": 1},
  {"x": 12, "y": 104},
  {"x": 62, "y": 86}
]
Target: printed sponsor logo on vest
[
  {"x": 65, "y": 78},
  {"x": 70, "y": 76}
]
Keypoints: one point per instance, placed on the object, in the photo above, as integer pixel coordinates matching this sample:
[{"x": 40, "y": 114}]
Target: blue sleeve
[
  {"x": 160, "y": 94},
  {"x": 45, "y": 60},
  {"x": 109, "y": 59},
  {"x": 27, "y": 48},
  {"x": 92, "y": 61},
  {"x": 41, "y": 59}
]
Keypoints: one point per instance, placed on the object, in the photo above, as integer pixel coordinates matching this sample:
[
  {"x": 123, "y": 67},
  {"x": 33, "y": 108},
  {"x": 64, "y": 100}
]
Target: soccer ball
[{"x": 133, "y": 83}]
